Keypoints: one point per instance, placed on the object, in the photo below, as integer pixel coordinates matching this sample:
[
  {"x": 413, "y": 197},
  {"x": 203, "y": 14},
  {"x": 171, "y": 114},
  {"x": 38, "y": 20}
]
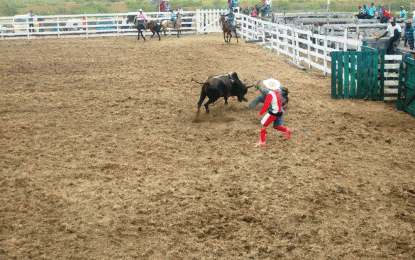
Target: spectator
[
  {"x": 235, "y": 4},
  {"x": 409, "y": 34},
  {"x": 372, "y": 11},
  {"x": 180, "y": 10},
  {"x": 385, "y": 16},
  {"x": 265, "y": 9},
  {"x": 366, "y": 9},
  {"x": 84, "y": 22},
  {"x": 380, "y": 11},
  {"x": 246, "y": 11},
  {"x": 362, "y": 14},
  {"x": 162, "y": 7},
  {"x": 254, "y": 12},
  {"x": 402, "y": 14},
  {"x": 31, "y": 18},
  {"x": 230, "y": 4},
  {"x": 168, "y": 7},
  {"x": 394, "y": 31}
]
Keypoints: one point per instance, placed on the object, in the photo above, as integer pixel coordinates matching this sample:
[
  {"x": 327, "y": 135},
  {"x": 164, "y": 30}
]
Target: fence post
[
  {"x": 198, "y": 21},
  {"x": 286, "y": 42},
  {"x": 59, "y": 29},
  {"x": 86, "y": 26},
  {"x": 278, "y": 40},
  {"x": 297, "y": 52},
  {"x": 325, "y": 56},
  {"x": 309, "y": 51}
]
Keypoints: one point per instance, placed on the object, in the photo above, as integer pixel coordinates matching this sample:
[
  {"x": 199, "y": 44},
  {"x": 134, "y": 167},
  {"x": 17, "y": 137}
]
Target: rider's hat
[
  {"x": 140, "y": 10},
  {"x": 272, "y": 84},
  {"x": 408, "y": 21}
]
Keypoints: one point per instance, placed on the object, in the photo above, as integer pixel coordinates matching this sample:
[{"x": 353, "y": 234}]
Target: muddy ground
[{"x": 102, "y": 157}]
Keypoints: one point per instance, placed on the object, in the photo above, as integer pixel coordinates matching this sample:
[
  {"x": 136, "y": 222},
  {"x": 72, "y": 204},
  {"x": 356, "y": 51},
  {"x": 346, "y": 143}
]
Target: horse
[
  {"x": 227, "y": 34},
  {"x": 169, "y": 24},
  {"x": 153, "y": 26}
]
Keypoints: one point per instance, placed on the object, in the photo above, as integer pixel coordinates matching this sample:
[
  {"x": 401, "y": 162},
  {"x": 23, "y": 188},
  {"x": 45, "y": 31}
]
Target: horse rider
[
  {"x": 173, "y": 17},
  {"x": 142, "y": 18},
  {"x": 394, "y": 30},
  {"x": 231, "y": 19}
]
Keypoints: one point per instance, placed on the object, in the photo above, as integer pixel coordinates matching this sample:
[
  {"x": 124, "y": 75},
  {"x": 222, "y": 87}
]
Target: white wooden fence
[
  {"x": 306, "y": 48},
  {"x": 99, "y": 25}
]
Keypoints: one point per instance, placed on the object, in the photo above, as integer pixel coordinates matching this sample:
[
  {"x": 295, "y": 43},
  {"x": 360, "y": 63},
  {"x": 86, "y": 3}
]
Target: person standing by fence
[
  {"x": 402, "y": 14},
  {"x": 409, "y": 34}
]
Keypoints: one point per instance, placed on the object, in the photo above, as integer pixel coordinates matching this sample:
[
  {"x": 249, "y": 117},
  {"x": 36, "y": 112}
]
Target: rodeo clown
[{"x": 272, "y": 105}]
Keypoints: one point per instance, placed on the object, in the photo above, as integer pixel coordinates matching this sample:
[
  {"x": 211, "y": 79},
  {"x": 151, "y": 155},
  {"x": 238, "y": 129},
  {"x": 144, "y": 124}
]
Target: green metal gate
[
  {"x": 406, "y": 88},
  {"x": 355, "y": 74}
]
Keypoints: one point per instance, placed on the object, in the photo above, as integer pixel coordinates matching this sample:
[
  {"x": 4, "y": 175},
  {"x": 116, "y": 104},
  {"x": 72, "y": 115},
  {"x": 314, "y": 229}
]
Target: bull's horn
[{"x": 250, "y": 86}]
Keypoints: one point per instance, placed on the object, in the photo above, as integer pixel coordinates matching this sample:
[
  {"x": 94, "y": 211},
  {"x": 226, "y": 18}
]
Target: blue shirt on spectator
[
  {"x": 372, "y": 11},
  {"x": 402, "y": 14}
]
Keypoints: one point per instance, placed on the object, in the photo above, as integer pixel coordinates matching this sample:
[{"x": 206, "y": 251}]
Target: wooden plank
[
  {"x": 392, "y": 66},
  {"x": 382, "y": 73},
  {"x": 391, "y": 91},
  {"x": 346, "y": 75},
  {"x": 393, "y": 57},
  {"x": 375, "y": 70},
  {"x": 353, "y": 74},
  {"x": 391, "y": 75},
  {"x": 359, "y": 74},
  {"x": 333, "y": 74},
  {"x": 391, "y": 82},
  {"x": 390, "y": 99},
  {"x": 366, "y": 76},
  {"x": 340, "y": 75}
]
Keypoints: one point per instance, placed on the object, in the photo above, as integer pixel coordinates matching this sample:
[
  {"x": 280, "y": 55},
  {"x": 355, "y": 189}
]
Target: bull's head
[{"x": 240, "y": 87}]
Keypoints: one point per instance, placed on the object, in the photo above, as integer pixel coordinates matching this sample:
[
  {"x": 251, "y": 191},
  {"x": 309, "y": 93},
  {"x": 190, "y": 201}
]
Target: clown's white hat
[{"x": 272, "y": 84}]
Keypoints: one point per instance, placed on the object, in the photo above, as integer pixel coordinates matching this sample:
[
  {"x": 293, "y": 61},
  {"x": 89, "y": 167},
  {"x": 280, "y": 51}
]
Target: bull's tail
[{"x": 197, "y": 82}]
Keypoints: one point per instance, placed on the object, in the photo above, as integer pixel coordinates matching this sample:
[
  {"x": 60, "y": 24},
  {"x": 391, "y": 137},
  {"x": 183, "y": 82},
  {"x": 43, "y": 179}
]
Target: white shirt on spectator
[{"x": 268, "y": 2}]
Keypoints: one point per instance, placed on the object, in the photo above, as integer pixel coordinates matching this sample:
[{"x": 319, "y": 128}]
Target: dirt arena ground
[{"x": 102, "y": 157}]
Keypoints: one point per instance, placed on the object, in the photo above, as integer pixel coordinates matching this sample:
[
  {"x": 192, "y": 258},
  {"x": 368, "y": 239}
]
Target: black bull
[{"x": 217, "y": 86}]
